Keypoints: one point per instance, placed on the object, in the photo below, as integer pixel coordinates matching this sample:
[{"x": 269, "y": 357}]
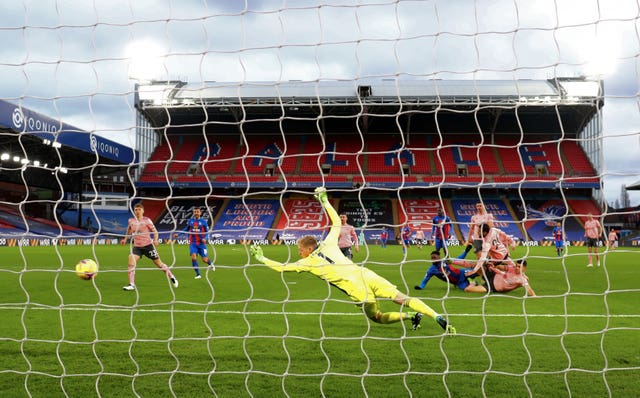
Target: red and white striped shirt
[
  {"x": 508, "y": 280},
  {"x": 141, "y": 231},
  {"x": 493, "y": 245},
  {"x": 477, "y": 220},
  {"x": 347, "y": 237},
  {"x": 592, "y": 229}
]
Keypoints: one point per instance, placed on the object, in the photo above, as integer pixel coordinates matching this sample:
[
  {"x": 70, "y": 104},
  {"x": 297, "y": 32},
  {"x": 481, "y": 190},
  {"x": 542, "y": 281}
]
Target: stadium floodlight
[
  {"x": 5, "y": 156},
  {"x": 46, "y": 141},
  {"x": 16, "y": 159},
  {"x": 24, "y": 161},
  {"x": 146, "y": 60},
  {"x": 56, "y": 144},
  {"x": 36, "y": 163}
]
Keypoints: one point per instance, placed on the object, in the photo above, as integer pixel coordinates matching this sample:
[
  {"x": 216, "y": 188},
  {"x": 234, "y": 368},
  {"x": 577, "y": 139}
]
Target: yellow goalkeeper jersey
[{"x": 327, "y": 262}]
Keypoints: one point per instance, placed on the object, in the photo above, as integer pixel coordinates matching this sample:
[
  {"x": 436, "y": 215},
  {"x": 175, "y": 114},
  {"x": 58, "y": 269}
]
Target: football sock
[
  {"x": 392, "y": 317},
  {"x": 194, "y": 264},
  {"x": 419, "y": 306}
]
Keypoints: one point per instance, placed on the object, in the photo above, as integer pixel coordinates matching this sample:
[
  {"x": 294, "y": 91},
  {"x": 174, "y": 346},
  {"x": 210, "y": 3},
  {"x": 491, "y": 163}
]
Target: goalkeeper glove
[
  {"x": 321, "y": 194},
  {"x": 256, "y": 252}
]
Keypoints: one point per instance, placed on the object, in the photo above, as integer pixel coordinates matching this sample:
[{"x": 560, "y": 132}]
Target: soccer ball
[{"x": 86, "y": 269}]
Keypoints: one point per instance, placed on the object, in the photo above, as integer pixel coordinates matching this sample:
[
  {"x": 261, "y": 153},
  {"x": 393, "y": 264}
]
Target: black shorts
[
  {"x": 488, "y": 277},
  {"x": 347, "y": 252},
  {"x": 592, "y": 242},
  {"x": 477, "y": 245},
  {"x": 147, "y": 251}
]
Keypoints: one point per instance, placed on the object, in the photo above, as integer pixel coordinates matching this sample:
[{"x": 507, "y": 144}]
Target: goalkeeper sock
[
  {"x": 419, "y": 306},
  {"x": 392, "y": 317}
]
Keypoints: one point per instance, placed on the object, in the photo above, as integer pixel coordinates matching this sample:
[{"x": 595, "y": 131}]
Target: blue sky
[{"x": 75, "y": 60}]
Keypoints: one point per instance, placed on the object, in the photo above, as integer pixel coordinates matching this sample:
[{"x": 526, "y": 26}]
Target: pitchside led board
[{"x": 23, "y": 120}]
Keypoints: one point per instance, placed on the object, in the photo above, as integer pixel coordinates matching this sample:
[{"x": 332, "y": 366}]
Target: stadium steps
[
  {"x": 432, "y": 161},
  {"x": 273, "y": 228},
  {"x": 581, "y": 207},
  {"x": 396, "y": 221},
  {"x": 153, "y": 208},
  {"x": 498, "y": 158},
  {"x": 566, "y": 163}
]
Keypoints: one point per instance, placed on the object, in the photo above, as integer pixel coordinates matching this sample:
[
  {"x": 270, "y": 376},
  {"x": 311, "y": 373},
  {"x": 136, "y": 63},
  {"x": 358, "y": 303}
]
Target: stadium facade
[{"x": 529, "y": 148}]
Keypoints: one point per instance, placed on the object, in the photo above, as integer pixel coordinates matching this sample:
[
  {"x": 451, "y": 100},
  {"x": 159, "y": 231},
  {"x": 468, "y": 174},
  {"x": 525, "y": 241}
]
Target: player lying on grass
[
  {"x": 326, "y": 261},
  {"x": 498, "y": 269},
  {"x": 442, "y": 270},
  {"x": 506, "y": 278}
]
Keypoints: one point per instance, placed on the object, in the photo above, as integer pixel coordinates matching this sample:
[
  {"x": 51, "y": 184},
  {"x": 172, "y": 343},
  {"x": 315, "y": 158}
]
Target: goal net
[{"x": 121, "y": 119}]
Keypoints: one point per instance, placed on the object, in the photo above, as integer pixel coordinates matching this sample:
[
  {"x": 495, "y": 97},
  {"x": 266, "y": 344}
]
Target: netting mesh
[{"x": 241, "y": 109}]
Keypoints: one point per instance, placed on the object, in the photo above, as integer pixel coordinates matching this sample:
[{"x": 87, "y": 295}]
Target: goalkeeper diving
[{"x": 326, "y": 261}]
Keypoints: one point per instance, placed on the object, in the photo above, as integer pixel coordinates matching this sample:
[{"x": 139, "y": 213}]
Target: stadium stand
[
  {"x": 341, "y": 155},
  {"x": 582, "y": 207},
  {"x": 262, "y": 156},
  {"x": 541, "y": 216},
  {"x": 576, "y": 158},
  {"x": 387, "y": 156},
  {"x": 455, "y": 153},
  {"x": 153, "y": 207},
  {"x": 12, "y": 221}
]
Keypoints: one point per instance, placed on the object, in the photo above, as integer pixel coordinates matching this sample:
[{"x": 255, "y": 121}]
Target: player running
[
  {"x": 405, "y": 237},
  {"x": 140, "y": 229},
  {"x": 198, "y": 228},
  {"x": 326, "y": 261}
]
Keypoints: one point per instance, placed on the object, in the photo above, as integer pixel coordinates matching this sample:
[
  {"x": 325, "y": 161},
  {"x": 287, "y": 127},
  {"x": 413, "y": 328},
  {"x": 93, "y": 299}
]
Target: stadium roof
[
  {"x": 373, "y": 91},
  {"x": 177, "y": 103},
  {"x": 58, "y": 148},
  {"x": 633, "y": 187}
]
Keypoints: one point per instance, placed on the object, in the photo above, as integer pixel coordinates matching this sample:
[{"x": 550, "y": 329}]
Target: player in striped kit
[
  {"x": 474, "y": 239},
  {"x": 198, "y": 230},
  {"x": 593, "y": 232},
  {"x": 502, "y": 274},
  {"x": 140, "y": 229}
]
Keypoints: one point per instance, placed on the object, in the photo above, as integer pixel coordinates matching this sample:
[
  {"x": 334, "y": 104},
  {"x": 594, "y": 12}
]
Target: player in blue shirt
[
  {"x": 405, "y": 236},
  {"x": 384, "y": 235},
  {"x": 446, "y": 273},
  {"x": 441, "y": 230},
  {"x": 558, "y": 237},
  {"x": 198, "y": 230}
]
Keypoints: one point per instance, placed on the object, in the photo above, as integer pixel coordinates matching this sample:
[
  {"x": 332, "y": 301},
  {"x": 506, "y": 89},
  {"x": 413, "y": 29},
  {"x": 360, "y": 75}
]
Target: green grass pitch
[{"x": 245, "y": 330}]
